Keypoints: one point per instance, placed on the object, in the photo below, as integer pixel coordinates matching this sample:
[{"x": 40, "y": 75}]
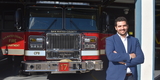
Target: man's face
[{"x": 122, "y": 28}]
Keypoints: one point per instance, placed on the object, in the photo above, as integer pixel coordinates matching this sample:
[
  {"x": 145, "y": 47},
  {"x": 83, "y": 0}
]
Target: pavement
[{"x": 157, "y": 75}]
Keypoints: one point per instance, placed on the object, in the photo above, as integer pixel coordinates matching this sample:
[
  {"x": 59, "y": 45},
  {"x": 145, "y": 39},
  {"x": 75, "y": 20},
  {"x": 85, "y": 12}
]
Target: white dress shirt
[{"x": 125, "y": 43}]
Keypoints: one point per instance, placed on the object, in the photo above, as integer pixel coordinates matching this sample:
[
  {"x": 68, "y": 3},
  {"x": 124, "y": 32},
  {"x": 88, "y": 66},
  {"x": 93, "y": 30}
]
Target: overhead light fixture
[{"x": 126, "y": 11}]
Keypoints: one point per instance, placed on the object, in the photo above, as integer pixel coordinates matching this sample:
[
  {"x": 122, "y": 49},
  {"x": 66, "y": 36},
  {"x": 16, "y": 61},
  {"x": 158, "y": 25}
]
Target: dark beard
[{"x": 123, "y": 34}]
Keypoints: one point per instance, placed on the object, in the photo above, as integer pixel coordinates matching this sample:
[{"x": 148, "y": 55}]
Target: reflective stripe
[
  {"x": 35, "y": 53},
  {"x": 13, "y": 51},
  {"x": 90, "y": 52},
  {"x": 102, "y": 52}
]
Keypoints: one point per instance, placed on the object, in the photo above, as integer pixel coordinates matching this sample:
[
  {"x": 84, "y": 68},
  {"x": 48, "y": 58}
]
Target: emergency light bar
[{"x": 62, "y": 3}]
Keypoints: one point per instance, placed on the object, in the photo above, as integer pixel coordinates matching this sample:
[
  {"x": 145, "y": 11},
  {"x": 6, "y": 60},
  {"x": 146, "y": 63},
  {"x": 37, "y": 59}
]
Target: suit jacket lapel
[
  {"x": 129, "y": 44},
  {"x": 119, "y": 41}
]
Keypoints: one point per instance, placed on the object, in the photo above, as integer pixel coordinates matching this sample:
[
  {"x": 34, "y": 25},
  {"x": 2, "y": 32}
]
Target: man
[{"x": 123, "y": 52}]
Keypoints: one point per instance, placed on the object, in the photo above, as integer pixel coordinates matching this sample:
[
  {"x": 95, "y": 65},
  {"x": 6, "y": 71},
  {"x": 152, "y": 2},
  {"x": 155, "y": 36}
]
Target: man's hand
[
  {"x": 122, "y": 63},
  {"x": 114, "y": 52},
  {"x": 119, "y": 62},
  {"x": 132, "y": 55}
]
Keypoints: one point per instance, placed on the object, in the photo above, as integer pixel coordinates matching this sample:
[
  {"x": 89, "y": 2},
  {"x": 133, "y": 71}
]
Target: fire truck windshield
[
  {"x": 63, "y": 19},
  {"x": 80, "y": 19}
]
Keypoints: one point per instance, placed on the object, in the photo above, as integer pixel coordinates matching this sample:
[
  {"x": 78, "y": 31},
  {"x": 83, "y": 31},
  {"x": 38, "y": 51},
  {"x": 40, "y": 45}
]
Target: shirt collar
[{"x": 122, "y": 37}]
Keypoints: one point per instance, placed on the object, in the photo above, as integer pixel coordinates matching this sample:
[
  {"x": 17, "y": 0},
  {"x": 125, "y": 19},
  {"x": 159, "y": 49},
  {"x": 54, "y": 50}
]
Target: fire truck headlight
[
  {"x": 90, "y": 46},
  {"x": 31, "y": 45},
  {"x": 39, "y": 39},
  {"x": 36, "y": 42},
  {"x": 89, "y": 42},
  {"x": 36, "y": 39}
]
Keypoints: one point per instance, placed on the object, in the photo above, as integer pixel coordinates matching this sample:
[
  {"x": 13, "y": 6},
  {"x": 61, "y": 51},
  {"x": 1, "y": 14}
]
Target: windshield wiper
[
  {"x": 74, "y": 24},
  {"x": 51, "y": 25}
]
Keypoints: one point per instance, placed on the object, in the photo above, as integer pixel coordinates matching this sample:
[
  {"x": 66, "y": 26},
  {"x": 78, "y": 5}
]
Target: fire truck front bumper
[{"x": 62, "y": 67}]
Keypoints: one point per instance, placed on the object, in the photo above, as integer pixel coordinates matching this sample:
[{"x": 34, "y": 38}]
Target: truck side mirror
[
  {"x": 105, "y": 22},
  {"x": 108, "y": 23},
  {"x": 18, "y": 19}
]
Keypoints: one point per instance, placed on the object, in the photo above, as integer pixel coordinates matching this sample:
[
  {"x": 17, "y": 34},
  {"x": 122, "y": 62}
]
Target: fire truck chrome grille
[
  {"x": 62, "y": 55},
  {"x": 68, "y": 43},
  {"x": 63, "y": 41}
]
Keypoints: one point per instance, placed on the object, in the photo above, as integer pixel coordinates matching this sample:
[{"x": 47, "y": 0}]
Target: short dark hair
[{"x": 120, "y": 19}]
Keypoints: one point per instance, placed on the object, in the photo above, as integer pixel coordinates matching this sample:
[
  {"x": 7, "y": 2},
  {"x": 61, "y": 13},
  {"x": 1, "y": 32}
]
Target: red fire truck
[{"x": 56, "y": 37}]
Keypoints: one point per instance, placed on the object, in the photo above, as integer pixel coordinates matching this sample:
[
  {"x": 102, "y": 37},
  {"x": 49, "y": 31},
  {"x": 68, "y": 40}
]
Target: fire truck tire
[
  {"x": 9, "y": 59},
  {"x": 22, "y": 72}
]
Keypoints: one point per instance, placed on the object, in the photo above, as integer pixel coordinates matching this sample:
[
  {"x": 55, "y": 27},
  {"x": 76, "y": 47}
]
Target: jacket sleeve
[
  {"x": 139, "y": 56},
  {"x": 115, "y": 57}
]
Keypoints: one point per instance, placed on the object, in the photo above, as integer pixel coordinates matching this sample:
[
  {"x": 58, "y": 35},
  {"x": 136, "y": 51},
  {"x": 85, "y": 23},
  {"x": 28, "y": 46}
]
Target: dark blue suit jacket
[{"x": 115, "y": 70}]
